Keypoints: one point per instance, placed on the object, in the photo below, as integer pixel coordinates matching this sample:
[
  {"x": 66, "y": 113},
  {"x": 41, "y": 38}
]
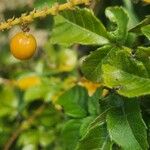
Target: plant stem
[
  {"x": 27, "y": 18},
  {"x": 24, "y": 125}
]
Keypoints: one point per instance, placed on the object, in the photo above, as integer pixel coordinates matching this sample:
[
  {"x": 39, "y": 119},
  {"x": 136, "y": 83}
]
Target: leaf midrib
[
  {"x": 84, "y": 29},
  {"x": 124, "y": 113}
]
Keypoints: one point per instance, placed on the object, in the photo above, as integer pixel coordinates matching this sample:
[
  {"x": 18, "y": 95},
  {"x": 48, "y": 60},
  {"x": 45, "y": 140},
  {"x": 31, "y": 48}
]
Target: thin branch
[
  {"x": 27, "y": 18},
  {"x": 24, "y": 125}
]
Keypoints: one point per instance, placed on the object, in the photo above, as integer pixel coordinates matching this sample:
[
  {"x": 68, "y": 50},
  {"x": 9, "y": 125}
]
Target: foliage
[{"x": 87, "y": 87}]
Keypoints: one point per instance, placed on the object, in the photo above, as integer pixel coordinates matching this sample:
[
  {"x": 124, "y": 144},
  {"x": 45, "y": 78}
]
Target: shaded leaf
[
  {"x": 96, "y": 138},
  {"x": 148, "y": 126},
  {"x": 126, "y": 126},
  {"x": 74, "y": 102},
  {"x": 71, "y": 134},
  {"x": 143, "y": 54},
  {"x": 85, "y": 124},
  {"x": 93, "y": 102},
  {"x": 100, "y": 118},
  {"x": 146, "y": 31},
  {"x": 92, "y": 64},
  {"x": 137, "y": 28}
]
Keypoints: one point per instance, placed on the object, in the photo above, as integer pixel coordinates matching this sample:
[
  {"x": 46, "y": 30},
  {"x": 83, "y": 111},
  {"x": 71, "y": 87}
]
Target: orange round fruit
[{"x": 23, "y": 45}]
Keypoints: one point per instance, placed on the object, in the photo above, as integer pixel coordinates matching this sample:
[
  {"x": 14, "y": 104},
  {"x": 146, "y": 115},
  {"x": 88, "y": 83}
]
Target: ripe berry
[{"x": 23, "y": 45}]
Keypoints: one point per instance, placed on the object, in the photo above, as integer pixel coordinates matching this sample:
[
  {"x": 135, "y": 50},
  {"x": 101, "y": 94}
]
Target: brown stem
[{"x": 24, "y": 125}]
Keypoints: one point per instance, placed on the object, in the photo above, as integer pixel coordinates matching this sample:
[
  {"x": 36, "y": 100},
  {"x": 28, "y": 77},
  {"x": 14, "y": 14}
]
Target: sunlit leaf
[
  {"x": 78, "y": 26},
  {"x": 128, "y": 75},
  {"x": 118, "y": 16}
]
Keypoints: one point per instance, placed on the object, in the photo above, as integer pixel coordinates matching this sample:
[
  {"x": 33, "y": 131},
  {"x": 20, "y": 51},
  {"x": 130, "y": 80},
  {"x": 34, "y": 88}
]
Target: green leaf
[
  {"x": 123, "y": 72},
  {"x": 30, "y": 146},
  {"x": 8, "y": 102},
  {"x": 117, "y": 15},
  {"x": 46, "y": 137},
  {"x": 133, "y": 20},
  {"x": 131, "y": 40},
  {"x": 6, "y": 127},
  {"x": 93, "y": 103},
  {"x": 71, "y": 134},
  {"x": 28, "y": 137},
  {"x": 92, "y": 64},
  {"x": 148, "y": 126},
  {"x": 101, "y": 118},
  {"x": 128, "y": 85},
  {"x": 143, "y": 51},
  {"x": 95, "y": 135},
  {"x": 85, "y": 124},
  {"x": 126, "y": 126},
  {"x": 74, "y": 102},
  {"x": 137, "y": 28},
  {"x": 115, "y": 67},
  {"x": 35, "y": 137},
  {"x": 143, "y": 54},
  {"x": 146, "y": 31},
  {"x": 78, "y": 26},
  {"x": 96, "y": 138},
  {"x": 49, "y": 118},
  {"x": 36, "y": 92}
]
